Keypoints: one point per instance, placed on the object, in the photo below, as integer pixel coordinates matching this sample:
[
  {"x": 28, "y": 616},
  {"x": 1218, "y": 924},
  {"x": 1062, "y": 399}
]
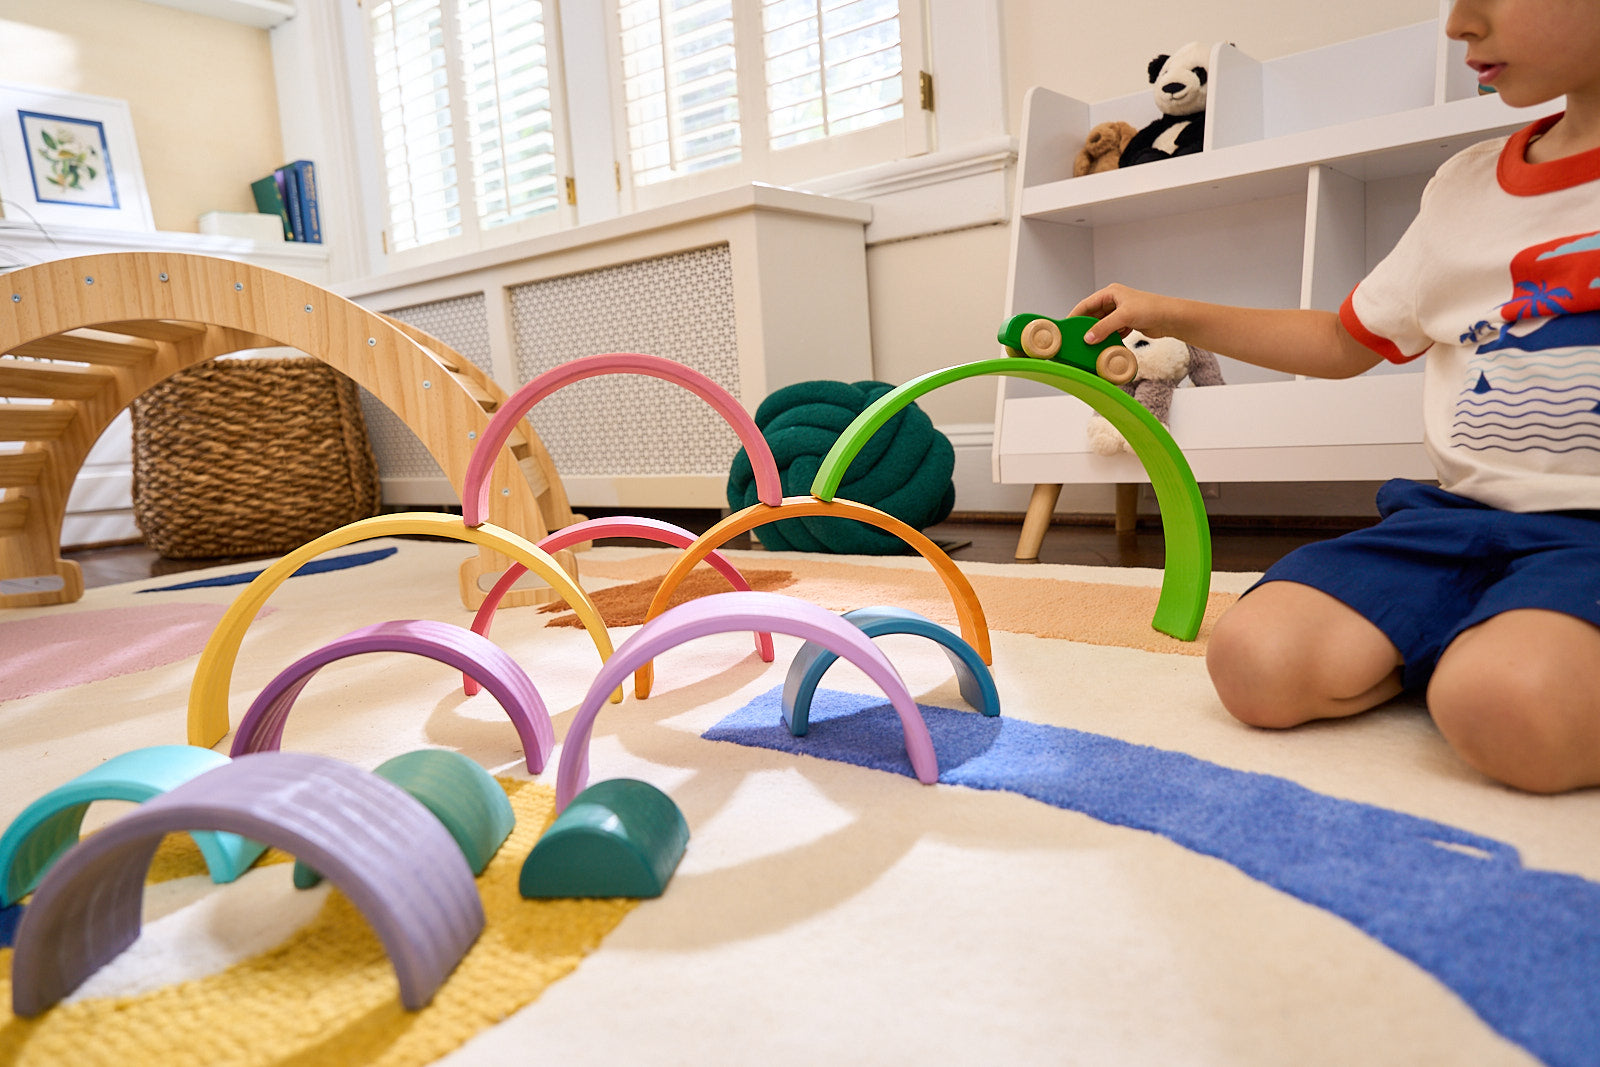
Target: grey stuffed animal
[{"x": 1164, "y": 362}]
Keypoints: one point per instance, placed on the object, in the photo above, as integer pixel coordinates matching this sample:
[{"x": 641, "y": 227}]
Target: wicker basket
[{"x": 236, "y": 457}]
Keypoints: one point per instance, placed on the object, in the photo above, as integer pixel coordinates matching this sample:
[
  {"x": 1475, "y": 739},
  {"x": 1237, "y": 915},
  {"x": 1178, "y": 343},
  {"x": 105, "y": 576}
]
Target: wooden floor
[{"x": 977, "y": 538}]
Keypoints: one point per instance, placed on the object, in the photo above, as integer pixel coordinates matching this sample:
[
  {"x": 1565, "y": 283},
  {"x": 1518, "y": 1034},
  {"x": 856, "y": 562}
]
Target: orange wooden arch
[{"x": 974, "y": 627}]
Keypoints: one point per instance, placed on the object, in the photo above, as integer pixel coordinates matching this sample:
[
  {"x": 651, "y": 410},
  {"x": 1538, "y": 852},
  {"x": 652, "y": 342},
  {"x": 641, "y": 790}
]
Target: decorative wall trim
[{"x": 935, "y": 193}]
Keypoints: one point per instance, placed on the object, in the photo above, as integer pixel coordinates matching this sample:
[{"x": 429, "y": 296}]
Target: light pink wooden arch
[
  {"x": 475, "y": 489},
  {"x": 593, "y": 529}
]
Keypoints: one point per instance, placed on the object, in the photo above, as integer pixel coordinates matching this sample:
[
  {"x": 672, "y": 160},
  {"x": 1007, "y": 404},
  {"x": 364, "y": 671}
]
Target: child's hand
[{"x": 1121, "y": 309}]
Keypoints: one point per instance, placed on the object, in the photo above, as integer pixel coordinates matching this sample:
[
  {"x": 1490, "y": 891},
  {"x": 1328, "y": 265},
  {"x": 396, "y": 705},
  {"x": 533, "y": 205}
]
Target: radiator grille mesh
[{"x": 678, "y": 306}]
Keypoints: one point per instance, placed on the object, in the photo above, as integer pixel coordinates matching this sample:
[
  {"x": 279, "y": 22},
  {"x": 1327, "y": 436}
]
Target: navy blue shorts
[{"x": 1439, "y": 563}]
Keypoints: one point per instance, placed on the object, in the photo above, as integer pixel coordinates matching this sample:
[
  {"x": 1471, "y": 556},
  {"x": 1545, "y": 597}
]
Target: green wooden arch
[{"x": 1186, "y": 580}]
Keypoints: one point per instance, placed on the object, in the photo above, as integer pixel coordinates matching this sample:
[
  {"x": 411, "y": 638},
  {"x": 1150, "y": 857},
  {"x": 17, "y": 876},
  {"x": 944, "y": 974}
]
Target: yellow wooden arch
[{"x": 209, "y": 720}]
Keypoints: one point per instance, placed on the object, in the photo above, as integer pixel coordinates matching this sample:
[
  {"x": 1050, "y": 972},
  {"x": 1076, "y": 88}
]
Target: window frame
[{"x": 322, "y": 69}]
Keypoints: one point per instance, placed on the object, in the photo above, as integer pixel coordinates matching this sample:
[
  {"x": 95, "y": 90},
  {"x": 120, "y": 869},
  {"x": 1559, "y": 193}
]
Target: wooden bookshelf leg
[
  {"x": 1127, "y": 518},
  {"x": 1041, "y": 506}
]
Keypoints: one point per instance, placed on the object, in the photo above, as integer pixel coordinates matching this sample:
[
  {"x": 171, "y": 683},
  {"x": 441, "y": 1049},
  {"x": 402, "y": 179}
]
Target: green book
[{"x": 269, "y": 201}]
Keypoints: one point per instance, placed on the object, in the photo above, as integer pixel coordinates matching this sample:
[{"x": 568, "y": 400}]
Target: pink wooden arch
[{"x": 475, "y": 490}]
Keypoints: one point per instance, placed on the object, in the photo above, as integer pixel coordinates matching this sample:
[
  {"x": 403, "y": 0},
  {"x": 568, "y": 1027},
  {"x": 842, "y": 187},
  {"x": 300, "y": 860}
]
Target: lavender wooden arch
[
  {"x": 261, "y": 728},
  {"x": 382, "y": 848},
  {"x": 721, "y": 613}
]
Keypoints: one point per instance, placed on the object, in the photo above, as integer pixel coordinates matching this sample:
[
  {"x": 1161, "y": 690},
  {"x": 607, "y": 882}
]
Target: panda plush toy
[{"x": 1180, "y": 91}]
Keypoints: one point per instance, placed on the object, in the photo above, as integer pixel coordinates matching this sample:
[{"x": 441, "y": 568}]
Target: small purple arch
[
  {"x": 724, "y": 612},
  {"x": 665, "y": 533},
  {"x": 383, "y": 849},
  {"x": 261, "y": 729},
  {"x": 475, "y": 489}
]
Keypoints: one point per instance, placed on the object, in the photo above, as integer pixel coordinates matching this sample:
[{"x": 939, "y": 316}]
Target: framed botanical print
[{"x": 70, "y": 159}]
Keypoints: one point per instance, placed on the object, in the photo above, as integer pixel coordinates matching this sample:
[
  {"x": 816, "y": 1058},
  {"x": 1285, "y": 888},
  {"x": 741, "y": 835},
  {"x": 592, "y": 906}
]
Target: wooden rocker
[{"x": 81, "y": 339}]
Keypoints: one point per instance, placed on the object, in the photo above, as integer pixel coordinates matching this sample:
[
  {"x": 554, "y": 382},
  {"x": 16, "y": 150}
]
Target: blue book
[
  {"x": 291, "y": 201},
  {"x": 306, "y": 187}
]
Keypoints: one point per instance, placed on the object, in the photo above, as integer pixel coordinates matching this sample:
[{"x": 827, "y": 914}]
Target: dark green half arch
[{"x": 1186, "y": 580}]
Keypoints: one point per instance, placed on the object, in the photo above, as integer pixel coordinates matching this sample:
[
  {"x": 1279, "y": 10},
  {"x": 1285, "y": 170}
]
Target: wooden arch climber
[{"x": 81, "y": 338}]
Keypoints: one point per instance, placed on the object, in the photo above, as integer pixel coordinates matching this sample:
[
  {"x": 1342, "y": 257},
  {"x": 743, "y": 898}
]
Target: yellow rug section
[{"x": 328, "y": 994}]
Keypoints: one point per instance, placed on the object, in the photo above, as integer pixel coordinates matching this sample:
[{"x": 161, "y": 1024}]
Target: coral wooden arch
[{"x": 90, "y": 334}]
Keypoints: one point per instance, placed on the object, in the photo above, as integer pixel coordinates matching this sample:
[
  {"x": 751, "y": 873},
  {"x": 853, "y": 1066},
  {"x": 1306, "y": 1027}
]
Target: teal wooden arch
[{"x": 1186, "y": 579}]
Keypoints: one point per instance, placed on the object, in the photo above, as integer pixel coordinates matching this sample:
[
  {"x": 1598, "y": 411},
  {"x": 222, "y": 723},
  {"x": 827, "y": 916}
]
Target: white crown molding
[
  {"x": 262, "y": 14},
  {"x": 935, "y": 193}
]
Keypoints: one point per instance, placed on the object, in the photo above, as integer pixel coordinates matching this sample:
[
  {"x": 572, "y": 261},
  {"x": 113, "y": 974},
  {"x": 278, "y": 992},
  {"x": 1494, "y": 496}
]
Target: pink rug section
[{"x": 59, "y": 651}]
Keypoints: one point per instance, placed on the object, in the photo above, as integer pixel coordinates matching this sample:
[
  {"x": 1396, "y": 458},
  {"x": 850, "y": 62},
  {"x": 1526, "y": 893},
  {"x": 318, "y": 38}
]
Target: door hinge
[
  {"x": 925, "y": 83},
  {"x": 383, "y": 235},
  {"x": 616, "y": 168},
  {"x": 572, "y": 190}
]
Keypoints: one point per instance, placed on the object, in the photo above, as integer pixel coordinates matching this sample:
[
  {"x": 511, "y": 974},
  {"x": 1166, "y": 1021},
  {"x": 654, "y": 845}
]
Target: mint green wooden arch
[{"x": 1186, "y": 580}]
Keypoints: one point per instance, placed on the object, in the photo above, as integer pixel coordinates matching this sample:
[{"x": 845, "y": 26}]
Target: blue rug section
[
  {"x": 10, "y": 916},
  {"x": 316, "y": 566},
  {"x": 1521, "y": 947}
]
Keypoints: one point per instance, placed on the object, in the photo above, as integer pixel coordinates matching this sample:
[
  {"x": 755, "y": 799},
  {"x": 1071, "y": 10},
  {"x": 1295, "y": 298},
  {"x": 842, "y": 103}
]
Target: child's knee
[
  {"x": 1250, "y": 669},
  {"x": 1522, "y": 719},
  {"x": 1287, "y": 654}
]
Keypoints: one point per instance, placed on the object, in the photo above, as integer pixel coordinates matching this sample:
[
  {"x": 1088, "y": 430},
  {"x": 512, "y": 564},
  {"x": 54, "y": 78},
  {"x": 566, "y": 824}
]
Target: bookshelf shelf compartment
[{"x": 1296, "y": 196}]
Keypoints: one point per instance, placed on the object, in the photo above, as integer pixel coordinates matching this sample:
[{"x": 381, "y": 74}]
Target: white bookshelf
[{"x": 1313, "y": 166}]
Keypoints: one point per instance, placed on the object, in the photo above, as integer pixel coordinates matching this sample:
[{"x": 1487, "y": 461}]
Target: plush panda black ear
[{"x": 1155, "y": 67}]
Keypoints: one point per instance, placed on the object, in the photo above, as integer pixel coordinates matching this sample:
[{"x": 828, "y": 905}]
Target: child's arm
[{"x": 1313, "y": 343}]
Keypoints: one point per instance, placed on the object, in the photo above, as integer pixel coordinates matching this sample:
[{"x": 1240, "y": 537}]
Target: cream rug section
[{"x": 828, "y": 913}]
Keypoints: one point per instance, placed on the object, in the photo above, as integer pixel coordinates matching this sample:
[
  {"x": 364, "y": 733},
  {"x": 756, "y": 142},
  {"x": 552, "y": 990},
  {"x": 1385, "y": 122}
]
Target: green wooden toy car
[{"x": 1061, "y": 340}]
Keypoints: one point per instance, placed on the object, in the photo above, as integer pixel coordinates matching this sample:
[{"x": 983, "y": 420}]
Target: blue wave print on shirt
[
  {"x": 1544, "y": 403},
  {"x": 1519, "y": 945}
]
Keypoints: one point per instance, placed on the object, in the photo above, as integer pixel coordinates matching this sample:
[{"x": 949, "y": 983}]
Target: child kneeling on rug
[{"x": 1484, "y": 591}]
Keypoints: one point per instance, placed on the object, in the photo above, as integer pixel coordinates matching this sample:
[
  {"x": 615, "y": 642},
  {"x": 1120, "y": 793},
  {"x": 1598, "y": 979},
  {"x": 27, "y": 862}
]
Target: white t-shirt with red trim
[{"x": 1497, "y": 282}]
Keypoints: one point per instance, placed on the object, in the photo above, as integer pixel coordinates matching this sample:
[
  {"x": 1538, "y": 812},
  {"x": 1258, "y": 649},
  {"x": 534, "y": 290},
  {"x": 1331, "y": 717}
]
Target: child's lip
[{"x": 1487, "y": 72}]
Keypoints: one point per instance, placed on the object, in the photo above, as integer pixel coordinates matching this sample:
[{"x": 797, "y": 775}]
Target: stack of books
[{"x": 290, "y": 193}]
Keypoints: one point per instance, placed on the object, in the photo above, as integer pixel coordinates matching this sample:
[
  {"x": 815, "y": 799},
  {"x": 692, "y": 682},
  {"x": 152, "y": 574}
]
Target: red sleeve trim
[{"x": 1381, "y": 345}]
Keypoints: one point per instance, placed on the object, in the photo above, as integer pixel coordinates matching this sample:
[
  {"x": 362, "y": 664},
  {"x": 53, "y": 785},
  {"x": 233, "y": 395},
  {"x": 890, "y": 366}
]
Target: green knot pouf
[{"x": 904, "y": 469}]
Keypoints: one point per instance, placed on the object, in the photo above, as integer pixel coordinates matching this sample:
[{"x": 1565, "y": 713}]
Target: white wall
[{"x": 205, "y": 111}]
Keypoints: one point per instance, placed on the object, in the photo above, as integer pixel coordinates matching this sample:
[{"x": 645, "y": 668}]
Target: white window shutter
[
  {"x": 832, "y": 66},
  {"x": 679, "y": 86},
  {"x": 469, "y": 126},
  {"x": 413, "y": 98},
  {"x": 720, "y": 92},
  {"x": 506, "y": 96}
]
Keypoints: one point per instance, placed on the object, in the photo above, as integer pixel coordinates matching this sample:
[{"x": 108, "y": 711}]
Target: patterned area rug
[{"x": 1113, "y": 871}]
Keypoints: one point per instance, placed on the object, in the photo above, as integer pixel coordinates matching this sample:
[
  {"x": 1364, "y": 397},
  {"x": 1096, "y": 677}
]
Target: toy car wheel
[
  {"x": 1014, "y": 353},
  {"x": 1117, "y": 365},
  {"x": 1041, "y": 339}
]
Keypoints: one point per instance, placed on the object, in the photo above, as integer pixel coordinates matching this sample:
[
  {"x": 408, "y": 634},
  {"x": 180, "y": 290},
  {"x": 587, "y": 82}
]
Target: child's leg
[
  {"x": 1515, "y": 696},
  {"x": 1289, "y": 653}
]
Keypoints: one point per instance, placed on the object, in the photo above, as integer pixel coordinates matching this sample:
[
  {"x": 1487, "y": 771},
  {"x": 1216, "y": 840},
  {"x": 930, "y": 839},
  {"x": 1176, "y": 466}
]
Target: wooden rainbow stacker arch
[{"x": 81, "y": 339}]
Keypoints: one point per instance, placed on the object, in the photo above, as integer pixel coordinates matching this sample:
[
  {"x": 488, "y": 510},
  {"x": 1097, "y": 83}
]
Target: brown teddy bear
[{"x": 1103, "y": 148}]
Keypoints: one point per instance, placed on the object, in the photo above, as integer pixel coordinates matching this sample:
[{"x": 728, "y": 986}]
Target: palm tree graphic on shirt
[{"x": 1538, "y": 389}]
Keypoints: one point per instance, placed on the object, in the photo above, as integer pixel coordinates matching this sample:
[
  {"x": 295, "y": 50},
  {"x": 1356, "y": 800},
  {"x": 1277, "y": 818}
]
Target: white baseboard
[{"x": 99, "y": 528}]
